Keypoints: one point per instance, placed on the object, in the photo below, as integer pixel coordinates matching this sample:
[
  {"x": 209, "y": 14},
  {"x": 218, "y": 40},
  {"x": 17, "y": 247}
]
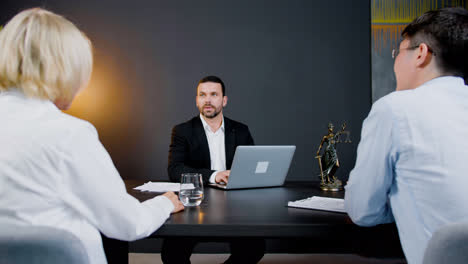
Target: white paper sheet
[
  {"x": 320, "y": 203},
  {"x": 159, "y": 187}
]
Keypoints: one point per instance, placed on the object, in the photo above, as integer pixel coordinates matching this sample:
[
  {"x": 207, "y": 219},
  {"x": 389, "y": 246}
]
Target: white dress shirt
[
  {"x": 217, "y": 148},
  {"x": 55, "y": 172},
  {"x": 412, "y": 163}
]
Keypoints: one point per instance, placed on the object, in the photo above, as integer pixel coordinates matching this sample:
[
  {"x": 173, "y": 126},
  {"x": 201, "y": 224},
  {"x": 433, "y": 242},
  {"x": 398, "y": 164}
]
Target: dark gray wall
[{"x": 290, "y": 67}]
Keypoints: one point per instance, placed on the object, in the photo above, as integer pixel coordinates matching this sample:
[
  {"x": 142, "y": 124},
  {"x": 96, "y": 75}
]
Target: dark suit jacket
[{"x": 189, "y": 151}]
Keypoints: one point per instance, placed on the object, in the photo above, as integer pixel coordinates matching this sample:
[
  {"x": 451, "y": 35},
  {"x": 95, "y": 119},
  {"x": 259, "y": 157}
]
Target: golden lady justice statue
[{"x": 328, "y": 161}]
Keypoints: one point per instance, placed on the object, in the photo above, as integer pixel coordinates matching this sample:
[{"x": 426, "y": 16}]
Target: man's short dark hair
[
  {"x": 214, "y": 79},
  {"x": 445, "y": 31}
]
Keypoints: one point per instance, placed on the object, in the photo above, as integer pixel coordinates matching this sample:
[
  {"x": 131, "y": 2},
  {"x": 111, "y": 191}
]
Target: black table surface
[{"x": 255, "y": 213}]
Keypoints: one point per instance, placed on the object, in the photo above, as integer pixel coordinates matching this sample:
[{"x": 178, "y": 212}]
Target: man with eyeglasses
[{"x": 413, "y": 156}]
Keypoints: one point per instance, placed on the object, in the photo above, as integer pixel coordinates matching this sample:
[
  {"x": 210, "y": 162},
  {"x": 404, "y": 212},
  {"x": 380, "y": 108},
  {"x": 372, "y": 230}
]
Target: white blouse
[{"x": 55, "y": 172}]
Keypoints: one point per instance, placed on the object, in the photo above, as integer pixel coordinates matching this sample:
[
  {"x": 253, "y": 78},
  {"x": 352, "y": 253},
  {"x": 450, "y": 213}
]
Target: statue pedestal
[{"x": 332, "y": 186}]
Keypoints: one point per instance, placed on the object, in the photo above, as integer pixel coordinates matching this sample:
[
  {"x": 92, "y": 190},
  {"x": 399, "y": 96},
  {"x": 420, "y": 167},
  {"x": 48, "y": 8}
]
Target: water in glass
[{"x": 191, "y": 189}]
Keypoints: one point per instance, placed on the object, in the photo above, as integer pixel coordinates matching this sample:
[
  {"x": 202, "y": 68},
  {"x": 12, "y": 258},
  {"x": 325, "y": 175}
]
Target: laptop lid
[{"x": 259, "y": 166}]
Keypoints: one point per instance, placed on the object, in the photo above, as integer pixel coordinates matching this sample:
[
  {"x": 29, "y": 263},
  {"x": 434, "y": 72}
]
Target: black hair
[
  {"x": 214, "y": 79},
  {"x": 445, "y": 31}
]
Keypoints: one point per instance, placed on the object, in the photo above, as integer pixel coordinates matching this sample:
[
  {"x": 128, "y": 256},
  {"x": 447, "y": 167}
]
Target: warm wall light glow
[
  {"x": 105, "y": 101},
  {"x": 109, "y": 104}
]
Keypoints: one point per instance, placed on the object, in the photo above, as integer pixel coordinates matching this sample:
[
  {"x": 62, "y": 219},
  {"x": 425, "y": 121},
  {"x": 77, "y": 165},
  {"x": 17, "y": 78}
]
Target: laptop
[{"x": 258, "y": 166}]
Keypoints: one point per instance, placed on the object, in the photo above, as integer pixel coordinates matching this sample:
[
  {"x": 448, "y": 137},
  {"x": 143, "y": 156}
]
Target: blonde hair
[{"x": 44, "y": 55}]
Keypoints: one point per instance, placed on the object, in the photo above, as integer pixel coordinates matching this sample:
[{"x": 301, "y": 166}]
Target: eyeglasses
[{"x": 396, "y": 51}]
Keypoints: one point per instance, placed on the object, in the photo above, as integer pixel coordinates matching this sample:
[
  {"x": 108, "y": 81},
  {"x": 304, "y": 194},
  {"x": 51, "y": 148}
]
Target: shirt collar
[
  {"x": 208, "y": 128},
  {"x": 14, "y": 92},
  {"x": 450, "y": 80}
]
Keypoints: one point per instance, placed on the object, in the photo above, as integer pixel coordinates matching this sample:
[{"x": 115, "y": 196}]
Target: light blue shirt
[{"x": 412, "y": 163}]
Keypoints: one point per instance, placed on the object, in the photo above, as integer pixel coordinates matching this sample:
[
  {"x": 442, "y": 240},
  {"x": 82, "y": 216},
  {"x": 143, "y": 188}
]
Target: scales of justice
[{"x": 328, "y": 160}]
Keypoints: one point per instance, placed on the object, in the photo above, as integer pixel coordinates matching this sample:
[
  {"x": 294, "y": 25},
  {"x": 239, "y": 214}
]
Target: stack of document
[
  {"x": 320, "y": 203},
  {"x": 159, "y": 187}
]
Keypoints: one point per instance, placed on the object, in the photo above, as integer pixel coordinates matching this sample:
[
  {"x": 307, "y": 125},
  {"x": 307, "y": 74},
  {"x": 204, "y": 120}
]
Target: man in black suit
[{"x": 206, "y": 144}]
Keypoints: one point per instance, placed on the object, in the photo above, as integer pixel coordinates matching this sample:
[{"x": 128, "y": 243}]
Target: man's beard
[{"x": 213, "y": 115}]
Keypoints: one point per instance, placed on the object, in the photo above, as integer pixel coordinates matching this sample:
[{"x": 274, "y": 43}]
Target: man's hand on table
[{"x": 222, "y": 177}]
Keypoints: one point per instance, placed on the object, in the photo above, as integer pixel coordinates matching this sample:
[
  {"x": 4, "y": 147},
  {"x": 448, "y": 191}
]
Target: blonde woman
[{"x": 53, "y": 169}]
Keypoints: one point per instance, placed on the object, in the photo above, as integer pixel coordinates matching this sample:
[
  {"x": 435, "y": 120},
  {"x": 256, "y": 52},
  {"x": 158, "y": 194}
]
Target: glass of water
[{"x": 191, "y": 189}]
